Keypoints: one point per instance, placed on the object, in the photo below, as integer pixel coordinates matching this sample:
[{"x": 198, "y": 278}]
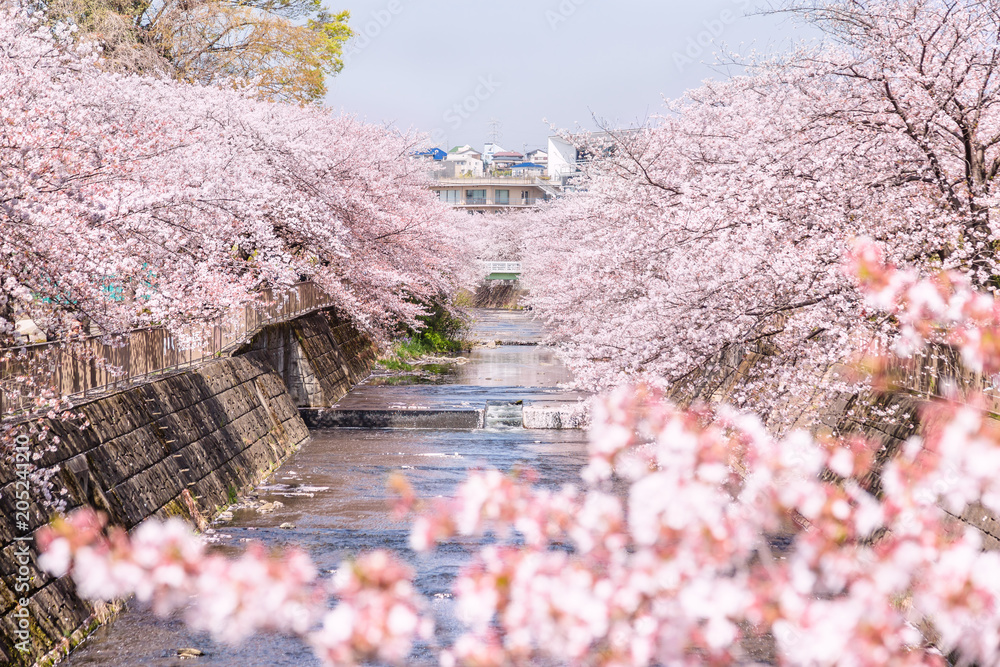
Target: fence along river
[
  {"x": 96, "y": 364},
  {"x": 333, "y": 491}
]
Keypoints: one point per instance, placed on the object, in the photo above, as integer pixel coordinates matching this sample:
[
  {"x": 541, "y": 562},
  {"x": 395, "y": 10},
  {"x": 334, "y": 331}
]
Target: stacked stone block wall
[
  {"x": 319, "y": 357},
  {"x": 179, "y": 446},
  {"x": 886, "y": 419}
]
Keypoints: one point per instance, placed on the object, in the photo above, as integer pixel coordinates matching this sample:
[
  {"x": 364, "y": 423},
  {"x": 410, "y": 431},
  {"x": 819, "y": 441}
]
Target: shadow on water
[
  {"x": 425, "y": 373},
  {"x": 334, "y": 492},
  {"x": 405, "y": 380}
]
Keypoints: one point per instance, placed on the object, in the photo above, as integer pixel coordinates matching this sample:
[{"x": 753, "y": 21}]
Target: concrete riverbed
[{"x": 333, "y": 491}]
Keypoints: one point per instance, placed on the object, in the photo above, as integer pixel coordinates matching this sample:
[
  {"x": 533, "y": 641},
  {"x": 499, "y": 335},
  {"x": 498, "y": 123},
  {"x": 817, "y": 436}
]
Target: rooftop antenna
[{"x": 496, "y": 134}]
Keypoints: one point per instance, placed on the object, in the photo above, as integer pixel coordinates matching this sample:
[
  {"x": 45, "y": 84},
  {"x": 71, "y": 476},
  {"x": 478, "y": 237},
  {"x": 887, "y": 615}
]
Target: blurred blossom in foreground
[
  {"x": 680, "y": 568},
  {"x": 724, "y": 533}
]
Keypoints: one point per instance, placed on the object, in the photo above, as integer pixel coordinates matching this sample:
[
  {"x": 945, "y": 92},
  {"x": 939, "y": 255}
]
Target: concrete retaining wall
[
  {"x": 319, "y": 358},
  {"x": 498, "y": 294},
  {"x": 886, "y": 419},
  {"x": 180, "y": 446}
]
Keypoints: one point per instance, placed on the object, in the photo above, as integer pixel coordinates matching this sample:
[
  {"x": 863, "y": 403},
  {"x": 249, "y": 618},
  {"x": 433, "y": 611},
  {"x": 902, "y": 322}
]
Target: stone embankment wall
[
  {"x": 318, "y": 358},
  {"x": 498, "y": 294},
  {"x": 886, "y": 419},
  {"x": 182, "y": 446}
]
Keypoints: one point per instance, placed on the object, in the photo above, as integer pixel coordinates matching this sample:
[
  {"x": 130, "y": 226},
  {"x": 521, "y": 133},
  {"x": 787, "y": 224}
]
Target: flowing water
[{"x": 334, "y": 492}]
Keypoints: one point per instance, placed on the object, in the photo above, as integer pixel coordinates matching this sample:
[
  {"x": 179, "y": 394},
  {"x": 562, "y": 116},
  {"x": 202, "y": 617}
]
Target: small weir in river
[
  {"x": 498, "y": 415},
  {"x": 331, "y": 499}
]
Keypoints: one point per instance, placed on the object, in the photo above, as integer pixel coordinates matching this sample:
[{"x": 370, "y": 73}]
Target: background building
[
  {"x": 491, "y": 193},
  {"x": 464, "y": 161},
  {"x": 492, "y": 180}
]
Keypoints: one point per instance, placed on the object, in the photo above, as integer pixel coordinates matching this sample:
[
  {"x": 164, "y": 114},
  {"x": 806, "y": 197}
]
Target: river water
[{"x": 334, "y": 492}]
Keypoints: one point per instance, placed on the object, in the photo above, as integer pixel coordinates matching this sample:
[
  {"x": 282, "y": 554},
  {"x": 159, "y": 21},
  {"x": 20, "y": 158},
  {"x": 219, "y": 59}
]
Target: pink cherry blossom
[
  {"x": 130, "y": 201},
  {"x": 699, "y": 533}
]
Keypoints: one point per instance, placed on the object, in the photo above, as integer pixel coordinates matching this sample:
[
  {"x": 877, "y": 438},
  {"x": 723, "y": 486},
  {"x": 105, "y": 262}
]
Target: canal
[{"x": 331, "y": 499}]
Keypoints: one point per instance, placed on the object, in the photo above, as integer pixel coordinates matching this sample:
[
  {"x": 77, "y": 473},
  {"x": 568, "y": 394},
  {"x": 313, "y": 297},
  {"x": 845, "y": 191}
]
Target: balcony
[
  {"x": 476, "y": 202},
  {"x": 471, "y": 181}
]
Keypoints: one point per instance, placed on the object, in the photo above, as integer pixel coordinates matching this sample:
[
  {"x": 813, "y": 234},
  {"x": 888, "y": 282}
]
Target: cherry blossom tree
[
  {"x": 129, "y": 201},
  {"x": 501, "y": 236},
  {"x": 726, "y": 544},
  {"x": 695, "y": 535},
  {"x": 714, "y": 235}
]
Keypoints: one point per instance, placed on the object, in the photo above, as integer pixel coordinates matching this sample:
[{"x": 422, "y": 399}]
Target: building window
[
  {"x": 475, "y": 196},
  {"x": 525, "y": 197},
  {"x": 502, "y": 197},
  {"x": 449, "y": 196}
]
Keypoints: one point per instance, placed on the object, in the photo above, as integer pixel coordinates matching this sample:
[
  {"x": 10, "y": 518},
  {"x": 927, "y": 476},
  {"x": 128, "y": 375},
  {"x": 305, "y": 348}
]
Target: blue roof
[
  {"x": 435, "y": 153},
  {"x": 527, "y": 165}
]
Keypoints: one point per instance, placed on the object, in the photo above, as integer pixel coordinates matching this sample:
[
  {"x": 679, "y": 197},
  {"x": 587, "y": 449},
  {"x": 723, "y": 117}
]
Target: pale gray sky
[{"x": 446, "y": 67}]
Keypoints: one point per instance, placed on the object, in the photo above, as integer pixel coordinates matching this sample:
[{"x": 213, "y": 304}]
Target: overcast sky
[{"x": 447, "y": 67}]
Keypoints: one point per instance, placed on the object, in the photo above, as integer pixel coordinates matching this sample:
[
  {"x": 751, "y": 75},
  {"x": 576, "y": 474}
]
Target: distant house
[
  {"x": 435, "y": 154},
  {"x": 567, "y": 155},
  {"x": 537, "y": 156},
  {"x": 564, "y": 160},
  {"x": 491, "y": 149},
  {"x": 464, "y": 161},
  {"x": 465, "y": 150},
  {"x": 506, "y": 159},
  {"x": 526, "y": 169}
]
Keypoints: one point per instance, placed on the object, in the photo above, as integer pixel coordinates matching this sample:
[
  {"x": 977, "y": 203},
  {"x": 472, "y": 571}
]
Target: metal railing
[
  {"x": 110, "y": 362},
  {"x": 503, "y": 267},
  {"x": 472, "y": 181},
  {"x": 494, "y": 201}
]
